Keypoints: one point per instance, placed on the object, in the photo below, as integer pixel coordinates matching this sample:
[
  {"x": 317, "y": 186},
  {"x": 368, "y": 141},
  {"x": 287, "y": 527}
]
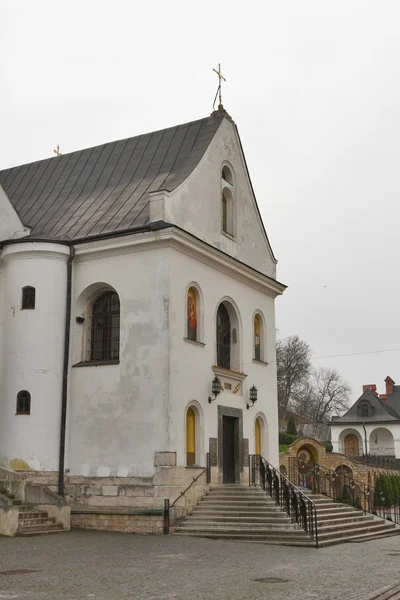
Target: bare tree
[
  {"x": 293, "y": 368},
  {"x": 324, "y": 394}
]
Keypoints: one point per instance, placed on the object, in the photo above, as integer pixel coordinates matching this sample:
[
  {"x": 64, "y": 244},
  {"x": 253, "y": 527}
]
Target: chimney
[
  {"x": 389, "y": 386},
  {"x": 371, "y": 387}
]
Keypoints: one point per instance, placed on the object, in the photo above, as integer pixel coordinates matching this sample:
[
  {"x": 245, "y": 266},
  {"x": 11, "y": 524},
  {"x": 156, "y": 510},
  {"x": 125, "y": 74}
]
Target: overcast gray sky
[{"x": 314, "y": 89}]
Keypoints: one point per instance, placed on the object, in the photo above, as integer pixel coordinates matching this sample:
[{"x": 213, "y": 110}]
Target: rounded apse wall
[{"x": 33, "y": 353}]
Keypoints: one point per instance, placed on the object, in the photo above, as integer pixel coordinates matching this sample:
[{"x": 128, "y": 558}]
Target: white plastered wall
[
  {"x": 196, "y": 204},
  {"x": 32, "y": 356},
  {"x": 117, "y": 414},
  {"x": 191, "y": 364}
]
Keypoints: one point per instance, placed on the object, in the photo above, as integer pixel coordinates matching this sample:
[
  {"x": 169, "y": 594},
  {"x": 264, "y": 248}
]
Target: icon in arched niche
[
  {"x": 192, "y": 314},
  {"x": 305, "y": 467}
]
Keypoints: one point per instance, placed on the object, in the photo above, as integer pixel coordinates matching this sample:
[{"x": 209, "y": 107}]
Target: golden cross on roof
[
  {"x": 219, "y": 90},
  {"x": 57, "y": 151}
]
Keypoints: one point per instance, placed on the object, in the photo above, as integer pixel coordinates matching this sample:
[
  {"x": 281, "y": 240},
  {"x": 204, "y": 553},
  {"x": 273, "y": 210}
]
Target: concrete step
[
  {"x": 224, "y": 519},
  {"x": 221, "y": 502},
  {"x": 360, "y": 525},
  {"x": 365, "y": 537},
  {"x": 296, "y": 541},
  {"x": 41, "y": 532},
  {"x": 287, "y": 540},
  {"x": 256, "y": 530},
  {"x": 36, "y": 521},
  {"x": 342, "y": 521},
  {"x": 339, "y": 514},
  {"x": 334, "y": 533},
  {"x": 238, "y": 513},
  {"x": 39, "y": 527},
  {"x": 31, "y": 514}
]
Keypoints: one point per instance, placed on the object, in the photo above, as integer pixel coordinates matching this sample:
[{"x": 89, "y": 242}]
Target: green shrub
[
  {"x": 379, "y": 493},
  {"x": 282, "y": 447},
  {"x": 287, "y": 439},
  {"x": 328, "y": 446}
]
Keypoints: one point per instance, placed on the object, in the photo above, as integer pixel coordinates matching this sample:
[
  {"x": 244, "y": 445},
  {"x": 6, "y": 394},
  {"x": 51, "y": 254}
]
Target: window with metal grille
[
  {"x": 105, "y": 327},
  {"x": 28, "y": 297},
  {"x": 23, "y": 403},
  {"x": 223, "y": 338}
]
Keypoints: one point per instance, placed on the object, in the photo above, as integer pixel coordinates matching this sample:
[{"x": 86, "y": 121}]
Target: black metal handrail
[
  {"x": 379, "y": 460},
  {"x": 168, "y": 506},
  {"x": 342, "y": 487},
  {"x": 300, "y": 508}
]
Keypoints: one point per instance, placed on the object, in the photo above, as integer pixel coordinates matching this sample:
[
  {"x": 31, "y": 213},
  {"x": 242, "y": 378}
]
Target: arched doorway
[
  {"x": 190, "y": 437},
  {"x": 305, "y": 466},
  {"x": 351, "y": 445}
]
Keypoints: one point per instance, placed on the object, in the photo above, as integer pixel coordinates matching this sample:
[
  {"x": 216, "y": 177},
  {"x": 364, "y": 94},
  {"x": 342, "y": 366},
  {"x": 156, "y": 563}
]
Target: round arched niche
[{"x": 228, "y": 336}]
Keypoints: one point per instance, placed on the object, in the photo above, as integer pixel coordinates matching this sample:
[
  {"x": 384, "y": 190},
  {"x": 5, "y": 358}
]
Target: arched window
[
  {"x": 258, "y": 338},
  {"x": 28, "y": 298},
  {"x": 191, "y": 312},
  {"x": 227, "y": 200},
  {"x": 223, "y": 338},
  {"x": 190, "y": 437},
  {"x": 105, "y": 327},
  {"x": 23, "y": 403},
  {"x": 227, "y": 211},
  {"x": 227, "y": 175}
]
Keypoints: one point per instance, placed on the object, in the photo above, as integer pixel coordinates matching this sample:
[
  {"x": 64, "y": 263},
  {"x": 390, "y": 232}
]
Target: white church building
[{"x": 137, "y": 320}]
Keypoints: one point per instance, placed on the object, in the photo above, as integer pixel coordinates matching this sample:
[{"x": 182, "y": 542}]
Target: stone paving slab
[{"x": 105, "y": 566}]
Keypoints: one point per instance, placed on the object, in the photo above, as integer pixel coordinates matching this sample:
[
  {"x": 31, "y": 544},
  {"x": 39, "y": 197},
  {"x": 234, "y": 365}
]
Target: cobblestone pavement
[{"x": 106, "y": 566}]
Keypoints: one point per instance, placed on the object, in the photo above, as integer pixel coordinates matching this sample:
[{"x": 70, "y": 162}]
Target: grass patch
[{"x": 283, "y": 447}]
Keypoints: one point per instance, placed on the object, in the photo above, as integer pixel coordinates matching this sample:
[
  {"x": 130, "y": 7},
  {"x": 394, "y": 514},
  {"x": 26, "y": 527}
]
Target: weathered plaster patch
[{"x": 19, "y": 465}]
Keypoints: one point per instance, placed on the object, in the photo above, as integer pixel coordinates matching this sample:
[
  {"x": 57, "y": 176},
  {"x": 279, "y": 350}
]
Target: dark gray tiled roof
[
  {"x": 382, "y": 411},
  {"x": 105, "y": 189}
]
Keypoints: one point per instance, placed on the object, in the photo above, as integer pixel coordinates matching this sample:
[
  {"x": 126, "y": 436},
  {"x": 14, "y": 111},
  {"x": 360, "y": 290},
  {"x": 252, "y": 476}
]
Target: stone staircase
[
  {"x": 242, "y": 513},
  {"x": 31, "y": 520},
  {"x": 339, "y": 523},
  {"x": 249, "y": 514}
]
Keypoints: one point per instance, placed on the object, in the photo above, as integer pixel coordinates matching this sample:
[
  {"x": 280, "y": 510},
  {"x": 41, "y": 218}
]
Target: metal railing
[
  {"x": 379, "y": 460},
  {"x": 342, "y": 487},
  {"x": 168, "y": 507},
  {"x": 290, "y": 498}
]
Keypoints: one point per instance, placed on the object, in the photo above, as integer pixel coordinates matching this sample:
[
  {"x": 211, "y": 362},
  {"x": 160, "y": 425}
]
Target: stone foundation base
[{"x": 124, "y": 523}]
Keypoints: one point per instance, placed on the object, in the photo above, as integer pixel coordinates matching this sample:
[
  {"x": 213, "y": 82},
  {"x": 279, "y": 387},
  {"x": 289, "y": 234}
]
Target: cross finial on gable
[
  {"x": 57, "y": 151},
  {"x": 219, "y": 89}
]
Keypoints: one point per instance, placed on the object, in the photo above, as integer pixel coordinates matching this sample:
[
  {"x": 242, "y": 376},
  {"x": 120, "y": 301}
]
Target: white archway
[{"x": 381, "y": 442}]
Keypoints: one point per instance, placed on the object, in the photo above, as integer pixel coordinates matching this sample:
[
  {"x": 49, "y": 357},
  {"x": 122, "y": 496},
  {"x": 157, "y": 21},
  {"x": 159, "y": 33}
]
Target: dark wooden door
[{"x": 229, "y": 449}]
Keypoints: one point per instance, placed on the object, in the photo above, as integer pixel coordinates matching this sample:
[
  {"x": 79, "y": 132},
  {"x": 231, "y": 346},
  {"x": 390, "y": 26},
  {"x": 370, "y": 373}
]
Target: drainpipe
[
  {"x": 365, "y": 438},
  {"x": 65, "y": 373}
]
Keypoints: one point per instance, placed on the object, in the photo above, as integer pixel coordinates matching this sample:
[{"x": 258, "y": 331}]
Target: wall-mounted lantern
[
  {"x": 215, "y": 388},
  {"x": 253, "y": 397}
]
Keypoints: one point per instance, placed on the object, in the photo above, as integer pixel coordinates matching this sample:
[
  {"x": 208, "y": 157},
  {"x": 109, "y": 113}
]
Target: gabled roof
[
  {"x": 382, "y": 411},
  {"x": 105, "y": 189}
]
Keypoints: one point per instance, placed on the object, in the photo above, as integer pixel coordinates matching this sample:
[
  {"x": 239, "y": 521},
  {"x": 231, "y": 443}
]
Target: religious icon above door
[{"x": 192, "y": 314}]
